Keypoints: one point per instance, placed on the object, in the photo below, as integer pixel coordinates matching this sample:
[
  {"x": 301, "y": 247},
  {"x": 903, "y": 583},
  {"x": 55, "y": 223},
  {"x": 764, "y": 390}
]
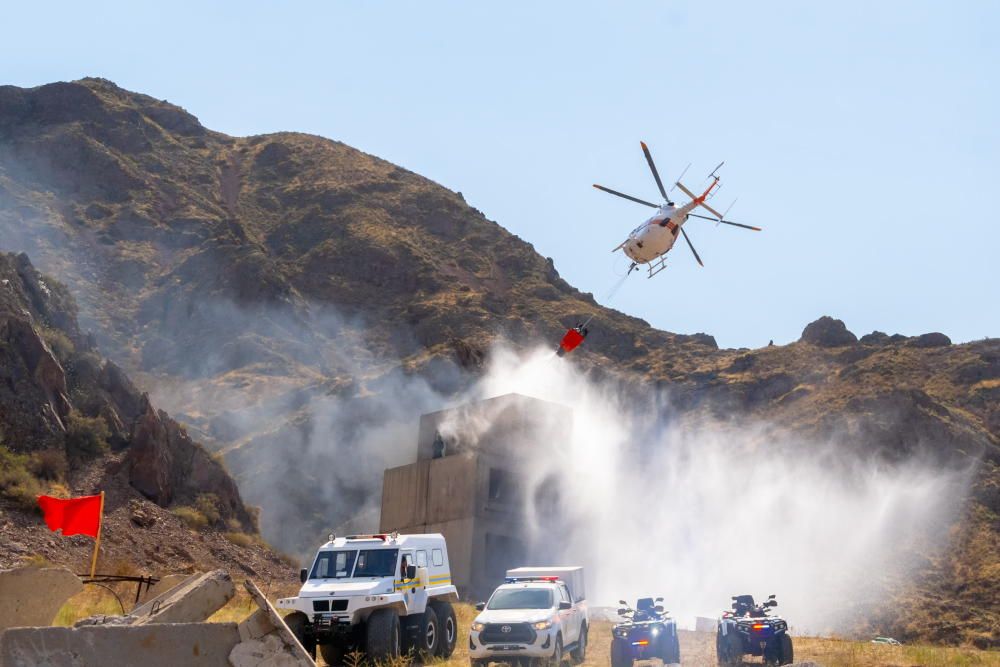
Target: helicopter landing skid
[{"x": 657, "y": 266}]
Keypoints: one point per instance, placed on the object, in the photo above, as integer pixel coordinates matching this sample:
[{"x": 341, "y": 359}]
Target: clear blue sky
[{"x": 862, "y": 137}]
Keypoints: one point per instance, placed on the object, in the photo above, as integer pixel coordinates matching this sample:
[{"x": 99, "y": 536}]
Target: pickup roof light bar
[{"x": 514, "y": 580}]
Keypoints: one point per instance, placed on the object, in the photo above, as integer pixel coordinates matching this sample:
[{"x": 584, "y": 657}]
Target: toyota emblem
[{"x": 505, "y": 628}]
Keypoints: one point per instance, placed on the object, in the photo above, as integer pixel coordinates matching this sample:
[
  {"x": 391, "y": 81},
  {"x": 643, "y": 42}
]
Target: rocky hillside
[
  {"x": 269, "y": 287},
  {"x": 72, "y": 423}
]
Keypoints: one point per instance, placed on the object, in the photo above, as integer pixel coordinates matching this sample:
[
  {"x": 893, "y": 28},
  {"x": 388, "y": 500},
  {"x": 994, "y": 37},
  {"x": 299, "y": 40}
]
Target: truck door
[{"x": 568, "y": 618}]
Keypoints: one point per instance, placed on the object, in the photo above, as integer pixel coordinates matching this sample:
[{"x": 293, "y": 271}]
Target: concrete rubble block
[
  {"x": 266, "y": 640},
  {"x": 31, "y": 597},
  {"x": 167, "y": 583},
  {"x": 191, "y": 602},
  {"x": 160, "y": 645}
]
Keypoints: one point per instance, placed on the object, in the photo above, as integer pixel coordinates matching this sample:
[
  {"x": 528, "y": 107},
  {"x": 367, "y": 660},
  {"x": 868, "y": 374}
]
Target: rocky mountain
[
  {"x": 72, "y": 423},
  {"x": 285, "y": 290}
]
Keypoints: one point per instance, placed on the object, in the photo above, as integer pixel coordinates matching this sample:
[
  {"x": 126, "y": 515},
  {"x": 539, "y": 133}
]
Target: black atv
[
  {"x": 647, "y": 632},
  {"x": 748, "y": 630}
]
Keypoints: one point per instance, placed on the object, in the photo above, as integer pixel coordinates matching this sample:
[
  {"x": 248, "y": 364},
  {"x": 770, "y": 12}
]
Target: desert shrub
[
  {"x": 254, "y": 513},
  {"x": 58, "y": 342},
  {"x": 234, "y": 526},
  {"x": 191, "y": 517},
  {"x": 49, "y": 464},
  {"x": 208, "y": 505},
  {"x": 289, "y": 560},
  {"x": 16, "y": 481},
  {"x": 239, "y": 539},
  {"x": 86, "y": 437}
]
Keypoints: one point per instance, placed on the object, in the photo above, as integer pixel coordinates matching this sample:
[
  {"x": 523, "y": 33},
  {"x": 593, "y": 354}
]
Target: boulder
[
  {"x": 828, "y": 332},
  {"x": 931, "y": 340},
  {"x": 875, "y": 338}
]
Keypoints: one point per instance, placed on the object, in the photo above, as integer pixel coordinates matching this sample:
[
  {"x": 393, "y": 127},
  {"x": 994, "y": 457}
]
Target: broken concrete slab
[
  {"x": 266, "y": 640},
  {"x": 190, "y": 602},
  {"x": 168, "y": 582},
  {"x": 159, "y": 645},
  {"x": 30, "y": 597}
]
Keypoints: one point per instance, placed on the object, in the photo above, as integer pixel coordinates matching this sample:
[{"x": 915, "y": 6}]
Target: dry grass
[{"x": 698, "y": 650}]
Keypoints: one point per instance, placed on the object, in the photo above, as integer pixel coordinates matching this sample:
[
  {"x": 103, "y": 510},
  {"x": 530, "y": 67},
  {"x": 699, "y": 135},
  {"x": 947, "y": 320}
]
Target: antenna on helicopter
[
  {"x": 681, "y": 176},
  {"x": 727, "y": 211}
]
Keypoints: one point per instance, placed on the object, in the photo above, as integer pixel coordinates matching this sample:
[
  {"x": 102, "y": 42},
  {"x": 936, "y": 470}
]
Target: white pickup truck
[
  {"x": 383, "y": 594},
  {"x": 539, "y": 612}
]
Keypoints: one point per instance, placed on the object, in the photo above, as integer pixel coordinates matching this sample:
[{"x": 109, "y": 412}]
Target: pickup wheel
[
  {"x": 297, "y": 622},
  {"x": 557, "y": 653},
  {"x": 579, "y": 654},
  {"x": 448, "y": 628},
  {"x": 428, "y": 635},
  {"x": 332, "y": 655},
  {"x": 383, "y": 636}
]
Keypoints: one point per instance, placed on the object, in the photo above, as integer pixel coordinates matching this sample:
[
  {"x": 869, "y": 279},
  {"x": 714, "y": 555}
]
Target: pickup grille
[
  {"x": 520, "y": 633},
  {"x": 329, "y": 605}
]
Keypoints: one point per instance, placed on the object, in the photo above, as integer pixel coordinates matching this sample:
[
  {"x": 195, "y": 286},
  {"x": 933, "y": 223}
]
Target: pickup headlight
[
  {"x": 542, "y": 625},
  {"x": 478, "y": 627}
]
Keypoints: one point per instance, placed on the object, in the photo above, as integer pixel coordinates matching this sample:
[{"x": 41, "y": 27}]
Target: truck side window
[
  {"x": 564, "y": 593},
  {"x": 438, "y": 557},
  {"x": 421, "y": 559}
]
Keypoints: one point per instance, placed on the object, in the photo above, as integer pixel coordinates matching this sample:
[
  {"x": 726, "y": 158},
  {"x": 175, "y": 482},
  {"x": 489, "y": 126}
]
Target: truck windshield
[
  {"x": 521, "y": 598},
  {"x": 376, "y": 563},
  {"x": 333, "y": 564}
]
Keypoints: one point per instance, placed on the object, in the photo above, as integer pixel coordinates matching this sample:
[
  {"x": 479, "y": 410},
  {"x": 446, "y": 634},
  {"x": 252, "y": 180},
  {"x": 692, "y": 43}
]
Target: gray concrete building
[{"x": 487, "y": 476}]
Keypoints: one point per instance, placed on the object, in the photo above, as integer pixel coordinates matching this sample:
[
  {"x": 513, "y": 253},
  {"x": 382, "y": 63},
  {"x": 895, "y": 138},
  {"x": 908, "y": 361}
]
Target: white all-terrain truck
[{"x": 385, "y": 595}]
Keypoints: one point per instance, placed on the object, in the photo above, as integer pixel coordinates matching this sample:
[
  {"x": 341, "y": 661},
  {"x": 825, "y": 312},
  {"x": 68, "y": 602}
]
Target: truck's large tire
[
  {"x": 787, "y": 654},
  {"x": 428, "y": 639},
  {"x": 332, "y": 655},
  {"x": 579, "y": 654},
  {"x": 448, "y": 626},
  {"x": 382, "y": 642},
  {"x": 621, "y": 654},
  {"x": 297, "y": 623}
]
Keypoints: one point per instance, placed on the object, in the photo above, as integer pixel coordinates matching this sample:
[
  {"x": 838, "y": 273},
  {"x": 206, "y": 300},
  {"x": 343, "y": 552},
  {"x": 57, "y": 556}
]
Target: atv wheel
[
  {"x": 579, "y": 654},
  {"x": 621, "y": 654},
  {"x": 382, "y": 642},
  {"x": 447, "y": 628},
  {"x": 297, "y": 622},
  {"x": 786, "y": 654},
  {"x": 734, "y": 648},
  {"x": 671, "y": 652},
  {"x": 332, "y": 655},
  {"x": 428, "y": 635}
]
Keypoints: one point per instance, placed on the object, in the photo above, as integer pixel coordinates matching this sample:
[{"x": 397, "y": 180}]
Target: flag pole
[{"x": 97, "y": 544}]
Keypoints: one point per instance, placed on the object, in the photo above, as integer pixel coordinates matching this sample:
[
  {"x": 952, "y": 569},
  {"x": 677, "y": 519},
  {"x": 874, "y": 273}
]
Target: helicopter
[{"x": 650, "y": 242}]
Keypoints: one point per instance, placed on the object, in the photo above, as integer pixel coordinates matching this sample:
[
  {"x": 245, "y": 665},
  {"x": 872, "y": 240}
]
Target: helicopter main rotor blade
[
  {"x": 691, "y": 246},
  {"x": 649, "y": 159},
  {"x": 725, "y": 222},
  {"x": 619, "y": 194}
]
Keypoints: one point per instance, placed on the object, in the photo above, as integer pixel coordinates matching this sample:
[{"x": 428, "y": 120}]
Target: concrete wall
[
  {"x": 404, "y": 497},
  {"x": 452, "y": 488},
  {"x": 165, "y": 645}
]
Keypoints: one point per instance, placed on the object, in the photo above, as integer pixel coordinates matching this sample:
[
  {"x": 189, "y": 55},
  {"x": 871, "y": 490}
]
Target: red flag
[{"x": 76, "y": 516}]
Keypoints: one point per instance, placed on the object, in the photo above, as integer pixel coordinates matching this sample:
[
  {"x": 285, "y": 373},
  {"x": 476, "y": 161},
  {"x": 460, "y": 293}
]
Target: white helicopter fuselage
[{"x": 656, "y": 236}]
